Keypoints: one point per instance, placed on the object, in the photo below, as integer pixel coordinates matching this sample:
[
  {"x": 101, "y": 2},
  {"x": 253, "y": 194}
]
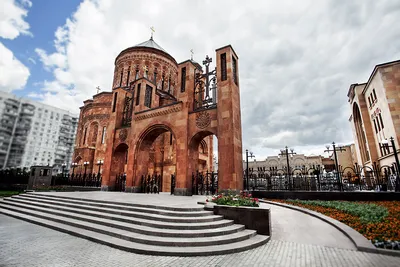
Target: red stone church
[{"x": 160, "y": 118}]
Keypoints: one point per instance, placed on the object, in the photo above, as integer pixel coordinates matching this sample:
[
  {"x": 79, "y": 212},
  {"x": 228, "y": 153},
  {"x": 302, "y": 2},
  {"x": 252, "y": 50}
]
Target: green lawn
[{"x": 8, "y": 193}]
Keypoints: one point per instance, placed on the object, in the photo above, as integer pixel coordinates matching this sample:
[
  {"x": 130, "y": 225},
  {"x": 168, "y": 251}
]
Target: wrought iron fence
[
  {"x": 84, "y": 180},
  {"x": 204, "y": 183},
  {"x": 120, "y": 182},
  {"x": 14, "y": 176},
  {"x": 376, "y": 178},
  {"x": 150, "y": 184}
]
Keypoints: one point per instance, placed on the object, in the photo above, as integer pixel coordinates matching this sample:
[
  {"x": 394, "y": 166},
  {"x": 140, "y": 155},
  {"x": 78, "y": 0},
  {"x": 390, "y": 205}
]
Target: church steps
[
  {"x": 159, "y": 207},
  {"x": 135, "y": 237},
  {"x": 111, "y": 213},
  {"x": 131, "y": 207},
  {"x": 126, "y": 245},
  {"x": 137, "y": 221}
]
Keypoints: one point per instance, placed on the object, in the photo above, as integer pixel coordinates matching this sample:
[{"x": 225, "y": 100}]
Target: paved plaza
[{"x": 297, "y": 240}]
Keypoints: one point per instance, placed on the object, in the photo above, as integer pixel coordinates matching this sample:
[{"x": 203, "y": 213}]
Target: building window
[
  {"x": 183, "y": 79},
  {"x": 234, "y": 70},
  {"x": 380, "y": 118},
  {"x": 138, "y": 94},
  {"x": 127, "y": 78},
  {"x": 84, "y": 136},
  {"x": 122, "y": 74},
  {"x": 223, "y": 67},
  {"x": 162, "y": 83},
  {"x": 374, "y": 93},
  {"x": 170, "y": 138},
  {"x": 147, "y": 98},
  {"x": 115, "y": 102},
  {"x": 103, "y": 135},
  {"x": 137, "y": 72},
  {"x": 155, "y": 76},
  {"x": 376, "y": 128},
  {"x": 369, "y": 101}
]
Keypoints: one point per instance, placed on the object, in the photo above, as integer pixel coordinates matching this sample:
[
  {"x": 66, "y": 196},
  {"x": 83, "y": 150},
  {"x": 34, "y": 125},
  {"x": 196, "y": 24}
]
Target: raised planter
[{"x": 253, "y": 218}]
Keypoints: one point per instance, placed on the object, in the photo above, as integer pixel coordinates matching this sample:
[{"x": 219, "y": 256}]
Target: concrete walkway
[
  {"x": 297, "y": 240},
  {"x": 294, "y": 226}
]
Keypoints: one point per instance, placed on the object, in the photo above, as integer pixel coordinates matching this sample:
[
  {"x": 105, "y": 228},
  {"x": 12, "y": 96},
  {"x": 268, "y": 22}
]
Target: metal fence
[
  {"x": 84, "y": 180},
  {"x": 204, "y": 183},
  {"x": 364, "y": 178}
]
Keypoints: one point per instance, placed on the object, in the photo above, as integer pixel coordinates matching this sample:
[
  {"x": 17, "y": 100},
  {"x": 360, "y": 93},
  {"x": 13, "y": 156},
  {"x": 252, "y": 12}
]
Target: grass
[
  {"x": 8, "y": 193},
  {"x": 378, "y": 221}
]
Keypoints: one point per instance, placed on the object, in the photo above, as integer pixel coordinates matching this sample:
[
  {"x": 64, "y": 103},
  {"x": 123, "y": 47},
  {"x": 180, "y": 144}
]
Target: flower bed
[
  {"x": 378, "y": 221},
  {"x": 229, "y": 199}
]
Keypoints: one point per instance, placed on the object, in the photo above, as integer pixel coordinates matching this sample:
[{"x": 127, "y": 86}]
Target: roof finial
[
  {"x": 191, "y": 52},
  {"x": 98, "y": 89},
  {"x": 152, "y": 31}
]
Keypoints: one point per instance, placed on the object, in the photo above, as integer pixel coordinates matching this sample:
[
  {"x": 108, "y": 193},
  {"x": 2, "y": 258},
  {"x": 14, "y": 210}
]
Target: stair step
[
  {"x": 161, "y": 207},
  {"x": 126, "y": 245},
  {"x": 129, "y": 226},
  {"x": 121, "y": 207},
  {"x": 104, "y": 212}
]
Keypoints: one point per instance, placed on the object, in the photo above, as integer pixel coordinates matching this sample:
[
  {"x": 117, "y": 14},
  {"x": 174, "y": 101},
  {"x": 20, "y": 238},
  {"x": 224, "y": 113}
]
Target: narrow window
[
  {"x": 122, "y": 74},
  {"x": 376, "y": 129},
  {"x": 170, "y": 139},
  {"x": 155, "y": 76},
  {"x": 146, "y": 72},
  {"x": 380, "y": 118},
  {"x": 183, "y": 79},
  {"x": 234, "y": 69},
  {"x": 103, "y": 135},
  {"x": 369, "y": 101},
  {"x": 162, "y": 83},
  {"x": 138, "y": 95},
  {"x": 147, "y": 98},
  {"x": 137, "y": 73},
  {"x": 127, "y": 78},
  {"x": 379, "y": 126},
  {"x": 169, "y": 84},
  {"x": 84, "y": 136},
  {"x": 223, "y": 67},
  {"x": 373, "y": 91},
  {"x": 115, "y": 102}
]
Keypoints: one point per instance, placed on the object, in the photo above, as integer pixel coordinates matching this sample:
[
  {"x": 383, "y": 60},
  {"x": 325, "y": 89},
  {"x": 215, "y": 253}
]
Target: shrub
[{"x": 230, "y": 199}]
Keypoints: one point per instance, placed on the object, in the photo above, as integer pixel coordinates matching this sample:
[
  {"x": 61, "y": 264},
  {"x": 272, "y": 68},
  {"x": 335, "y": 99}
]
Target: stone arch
[
  {"x": 149, "y": 153},
  {"x": 119, "y": 160},
  {"x": 93, "y": 129},
  {"x": 361, "y": 138}
]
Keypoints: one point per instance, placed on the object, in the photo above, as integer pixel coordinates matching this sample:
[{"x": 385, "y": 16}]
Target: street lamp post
[
  {"x": 74, "y": 165},
  {"x": 334, "y": 150},
  {"x": 99, "y": 163},
  {"x": 63, "y": 168},
  {"x": 393, "y": 145},
  {"x": 247, "y": 167},
  {"x": 86, "y": 163},
  {"x": 285, "y": 152}
]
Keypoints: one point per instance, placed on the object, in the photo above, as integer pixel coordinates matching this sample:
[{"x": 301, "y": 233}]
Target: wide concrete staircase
[{"x": 138, "y": 228}]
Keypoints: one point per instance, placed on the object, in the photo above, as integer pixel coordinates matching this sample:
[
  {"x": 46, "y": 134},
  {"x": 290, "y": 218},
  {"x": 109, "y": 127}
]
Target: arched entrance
[
  {"x": 119, "y": 166},
  {"x": 155, "y": 158},
  {"x": 203, "y": 166},
  {"x": 361, "y": 138}
]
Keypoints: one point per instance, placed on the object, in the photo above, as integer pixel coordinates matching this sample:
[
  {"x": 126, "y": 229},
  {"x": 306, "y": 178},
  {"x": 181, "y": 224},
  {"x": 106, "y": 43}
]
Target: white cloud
[
  {"x": 297, "y": 58},
  {"x": 12, "y": 14},
  {"x": 13, "y": 74}
]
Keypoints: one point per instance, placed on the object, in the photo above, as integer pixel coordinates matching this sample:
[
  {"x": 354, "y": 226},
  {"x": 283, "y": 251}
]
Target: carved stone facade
[{"x": 163, "y": 132}]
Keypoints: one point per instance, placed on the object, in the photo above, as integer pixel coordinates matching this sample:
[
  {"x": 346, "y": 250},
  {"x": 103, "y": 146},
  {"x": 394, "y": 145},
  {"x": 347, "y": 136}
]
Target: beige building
[
  {"x": 346, "y": 158},
  {"x": 296, "y": 162},
  {"x": 375, "y": 115}
]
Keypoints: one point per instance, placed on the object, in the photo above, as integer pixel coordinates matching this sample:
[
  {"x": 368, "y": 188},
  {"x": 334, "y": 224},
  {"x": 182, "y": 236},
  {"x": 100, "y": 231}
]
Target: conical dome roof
[{"x": 151, "y": 44}]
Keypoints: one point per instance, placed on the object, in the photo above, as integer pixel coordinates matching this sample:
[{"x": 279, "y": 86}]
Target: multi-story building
[
  {"x": 32, "y": 133},
  {"x": 375, "y": 115},
  {"x": 296, "y": 162}
]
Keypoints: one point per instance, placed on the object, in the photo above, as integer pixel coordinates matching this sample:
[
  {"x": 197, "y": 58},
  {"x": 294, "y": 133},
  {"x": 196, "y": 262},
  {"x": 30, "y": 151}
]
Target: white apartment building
[{"x": 32, "y": 133}]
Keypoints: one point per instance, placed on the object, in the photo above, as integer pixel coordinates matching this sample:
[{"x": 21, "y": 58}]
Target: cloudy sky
[{"x": 297, "y": 58}]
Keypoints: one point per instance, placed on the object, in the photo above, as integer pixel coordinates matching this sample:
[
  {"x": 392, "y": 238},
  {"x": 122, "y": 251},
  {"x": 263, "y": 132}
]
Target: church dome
[{"x": 148, "y": 45}]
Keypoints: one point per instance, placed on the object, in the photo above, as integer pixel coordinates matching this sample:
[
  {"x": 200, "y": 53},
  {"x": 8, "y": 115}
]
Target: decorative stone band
[
  {"x": 95, "y": 117},
  {"x": 158, "y": 112},
  {"x": 358, "y": 239}
]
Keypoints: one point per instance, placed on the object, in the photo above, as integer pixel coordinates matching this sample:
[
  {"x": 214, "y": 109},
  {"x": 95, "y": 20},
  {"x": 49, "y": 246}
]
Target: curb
[{"x": 361, "y": 243}]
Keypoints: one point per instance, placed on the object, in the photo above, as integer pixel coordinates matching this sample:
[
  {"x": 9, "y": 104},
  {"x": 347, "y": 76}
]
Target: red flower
[{"x": 207, "y": 200}]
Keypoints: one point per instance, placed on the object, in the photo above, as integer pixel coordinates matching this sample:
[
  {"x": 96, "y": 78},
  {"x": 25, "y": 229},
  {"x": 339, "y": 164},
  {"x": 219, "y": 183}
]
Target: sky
[{"x": 297, "y": 59}]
